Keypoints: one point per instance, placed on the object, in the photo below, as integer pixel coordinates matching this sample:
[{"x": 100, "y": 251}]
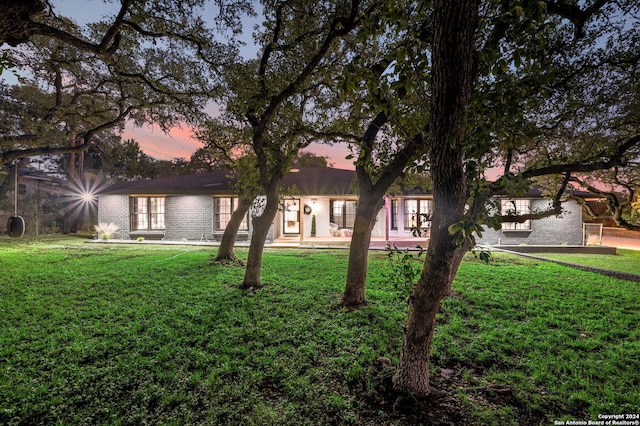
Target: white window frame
[
  {"x": 516, "y": 206},
  {"x": 415, "y": 210},
  {"x": 148, "y": 213},
  {"x": 221, "y": 218}
]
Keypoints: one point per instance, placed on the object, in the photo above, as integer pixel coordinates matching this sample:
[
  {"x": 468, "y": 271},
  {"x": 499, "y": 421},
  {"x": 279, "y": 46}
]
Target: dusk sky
[{"x": 179, "y": 142}]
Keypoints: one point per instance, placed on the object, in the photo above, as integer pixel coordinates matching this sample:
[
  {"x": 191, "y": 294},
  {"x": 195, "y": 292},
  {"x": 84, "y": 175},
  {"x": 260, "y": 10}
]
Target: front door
[{"x": 291, "y": 216}]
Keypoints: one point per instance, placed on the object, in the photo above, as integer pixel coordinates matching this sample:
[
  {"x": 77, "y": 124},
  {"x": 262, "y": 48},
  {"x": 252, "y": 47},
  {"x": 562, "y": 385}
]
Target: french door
[{"x": 291, "y": 217}]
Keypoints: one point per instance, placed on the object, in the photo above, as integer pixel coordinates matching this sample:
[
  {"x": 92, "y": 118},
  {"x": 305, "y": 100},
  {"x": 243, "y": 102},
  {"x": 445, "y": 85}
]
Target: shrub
[
  {"x": 404, "y": 268},
  {"x": 106, "y": 230}
]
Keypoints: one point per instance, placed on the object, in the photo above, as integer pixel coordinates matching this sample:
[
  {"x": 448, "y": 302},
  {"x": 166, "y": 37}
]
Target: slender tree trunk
[
  {"x": 261, "y": 225},
  {"x": 368, "y": 207},
  {"x": 453, "y": 74},
  {"x": 69, "y": 221},
  {"x": 371, "y": 200},
  {"x": 457, "y": 260},
  {"x": 225, "y": 251}
]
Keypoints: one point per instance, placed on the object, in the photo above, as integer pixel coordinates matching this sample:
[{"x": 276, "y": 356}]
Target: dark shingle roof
[
  {"x": 201, "y": 183},
  {"x": 536, "y": 192},
  {"x": 307, "y": 180},
  {"x": 320, "y": 181}
]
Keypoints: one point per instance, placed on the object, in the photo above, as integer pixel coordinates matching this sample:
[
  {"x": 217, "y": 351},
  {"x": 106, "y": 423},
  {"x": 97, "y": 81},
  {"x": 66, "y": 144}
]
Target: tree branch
[
  {"x": 339, "y": 26},
  {"x": 616, "y": 159},
  {"x": 614, "y": 205},
  {"x": 571, "y": 11}
]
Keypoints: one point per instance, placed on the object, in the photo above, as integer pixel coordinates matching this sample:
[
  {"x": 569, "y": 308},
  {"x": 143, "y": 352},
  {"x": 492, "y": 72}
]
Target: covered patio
[{"x": 377, "y": 243}]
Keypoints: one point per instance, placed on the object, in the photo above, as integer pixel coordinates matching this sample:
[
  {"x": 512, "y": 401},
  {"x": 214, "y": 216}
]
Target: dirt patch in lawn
[{"x": 454, "y": 401}]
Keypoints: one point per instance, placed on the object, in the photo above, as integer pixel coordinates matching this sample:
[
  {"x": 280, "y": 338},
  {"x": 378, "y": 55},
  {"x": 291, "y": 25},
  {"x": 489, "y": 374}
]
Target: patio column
[
  {"x": 386, "y": 218},
  {"x": 302, "y": 214}
]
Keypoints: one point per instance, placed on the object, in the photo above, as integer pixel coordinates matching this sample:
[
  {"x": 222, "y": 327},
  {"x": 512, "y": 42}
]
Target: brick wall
[
  {"x": 188, "y": 216},
  {"x": 553, "y": 230},
  {"x": 115, "y": 209}
]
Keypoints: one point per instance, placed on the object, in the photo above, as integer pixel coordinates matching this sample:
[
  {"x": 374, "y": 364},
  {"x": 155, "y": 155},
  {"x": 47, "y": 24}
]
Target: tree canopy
[
  {"x": 528, "y": 87},
  {"x": 150, "y": 62},
  {"x": 272, "y": 96}
]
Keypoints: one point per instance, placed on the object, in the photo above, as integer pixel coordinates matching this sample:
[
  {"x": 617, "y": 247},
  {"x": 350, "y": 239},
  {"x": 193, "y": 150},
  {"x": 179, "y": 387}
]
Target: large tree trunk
[
  {"x": 225, "y": 251},
  {"x": 368, "y": 207},
  {"x": 453, "y": 73},
  {"x": 412, "y": 374},
  {"x": 261, "y": 225}
]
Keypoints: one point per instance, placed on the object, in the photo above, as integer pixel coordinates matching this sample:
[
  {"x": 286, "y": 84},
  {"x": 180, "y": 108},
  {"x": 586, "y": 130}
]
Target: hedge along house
[{"x": 318, "y": 204}]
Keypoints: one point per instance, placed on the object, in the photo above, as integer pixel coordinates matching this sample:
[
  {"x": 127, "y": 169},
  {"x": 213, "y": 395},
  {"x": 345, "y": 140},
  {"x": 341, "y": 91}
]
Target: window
[
  {"x": 343, "y": 213},
  {"x": 147, "y": 213},
  {"x": 516, "y": 207},
  {"x": 223, "y": 208},
  {"x": 417, "y": 213},
  {"x": 394, "y": 214}
]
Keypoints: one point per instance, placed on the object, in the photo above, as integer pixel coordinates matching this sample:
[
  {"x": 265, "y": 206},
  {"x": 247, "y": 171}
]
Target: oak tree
[
  {"x": 149, "y": 62},
  {"x": 474, "y": 46},
  {"x": 272, "y": 96},
  {"x": 532, "y": 92}
]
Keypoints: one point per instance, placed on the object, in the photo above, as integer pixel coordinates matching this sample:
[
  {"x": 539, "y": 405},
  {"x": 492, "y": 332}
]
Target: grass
[
  {"x": 561, "y": 341},
  {"x": 122, "y": 335},
  {"x": 625, "y": 261}
]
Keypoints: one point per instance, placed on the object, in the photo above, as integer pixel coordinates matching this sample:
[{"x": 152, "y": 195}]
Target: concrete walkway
[
  {"x": 621, "y": 238},
  {"x": 607, "y": 272},
  {"x": 622, "y": 242}
]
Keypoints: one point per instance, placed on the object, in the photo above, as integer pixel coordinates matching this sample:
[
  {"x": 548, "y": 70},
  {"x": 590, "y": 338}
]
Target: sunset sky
[{"x": 179, "y": 143}]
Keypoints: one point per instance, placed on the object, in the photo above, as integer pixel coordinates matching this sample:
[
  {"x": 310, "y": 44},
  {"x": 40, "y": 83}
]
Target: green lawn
[
  {"x": 96, "y": 334},
  {"x": 623, "y": 261}
]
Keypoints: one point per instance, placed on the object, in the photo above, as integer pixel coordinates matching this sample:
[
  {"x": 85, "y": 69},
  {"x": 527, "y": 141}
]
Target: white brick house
[{"x": 197, "y": 207}]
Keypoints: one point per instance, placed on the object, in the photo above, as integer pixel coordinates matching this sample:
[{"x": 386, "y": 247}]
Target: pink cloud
[{"x": 178, "y": 143}]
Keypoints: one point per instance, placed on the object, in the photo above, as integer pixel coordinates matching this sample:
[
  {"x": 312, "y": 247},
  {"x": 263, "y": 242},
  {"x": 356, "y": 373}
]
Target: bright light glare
[
  {"x": 81, "y": 198},
  {"x": 87, "y": 197}
]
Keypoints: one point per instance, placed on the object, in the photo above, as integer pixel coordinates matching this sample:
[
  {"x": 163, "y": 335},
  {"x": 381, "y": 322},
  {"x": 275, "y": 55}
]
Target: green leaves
[
  {"x": 500, "y": 67},
  {"x": 514, "y": 185},
  {"x": 487, "y": 216},
  {"x": 482, "y": 253},
  {"x": 5, "y": 62},
  {"x": 404, "y": 269},
  {"x": 463, "y": 231}
]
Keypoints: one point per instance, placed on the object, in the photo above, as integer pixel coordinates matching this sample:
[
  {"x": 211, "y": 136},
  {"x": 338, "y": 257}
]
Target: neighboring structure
[
  {"x": 198, "y": 207},
  {"x": 38, "y": 201}
]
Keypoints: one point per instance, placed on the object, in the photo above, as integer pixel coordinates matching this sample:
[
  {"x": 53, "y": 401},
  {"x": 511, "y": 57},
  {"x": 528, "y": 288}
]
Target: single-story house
[{"x": 198, "y": 207}]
